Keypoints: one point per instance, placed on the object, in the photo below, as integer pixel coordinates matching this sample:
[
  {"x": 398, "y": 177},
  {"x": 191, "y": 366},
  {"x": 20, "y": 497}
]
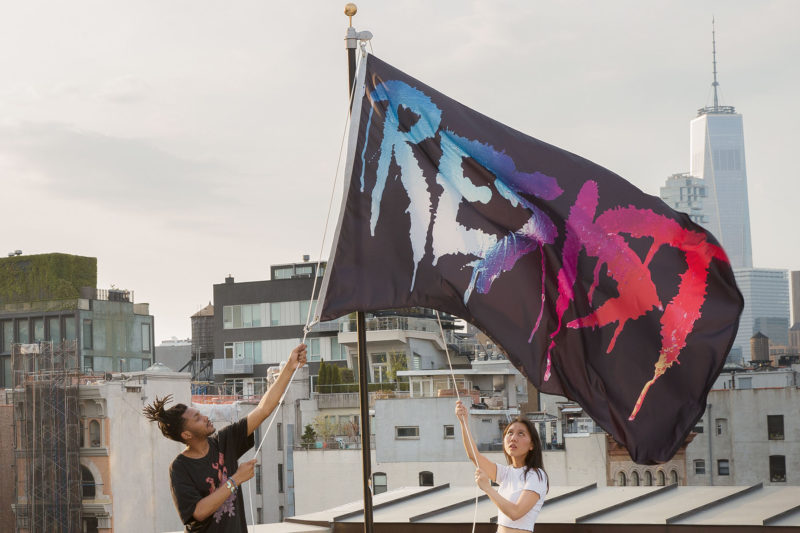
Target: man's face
[{"x": 197, "y": 425}]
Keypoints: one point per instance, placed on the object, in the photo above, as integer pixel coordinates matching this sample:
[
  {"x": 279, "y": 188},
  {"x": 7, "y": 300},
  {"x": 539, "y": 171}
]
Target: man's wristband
[{"x": 231, "y": 484}]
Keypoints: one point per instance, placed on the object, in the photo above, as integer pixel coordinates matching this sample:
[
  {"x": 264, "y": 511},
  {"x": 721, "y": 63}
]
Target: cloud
[
  {"x": 124, "y": 90},
  {"x": 124, "y": 174}
]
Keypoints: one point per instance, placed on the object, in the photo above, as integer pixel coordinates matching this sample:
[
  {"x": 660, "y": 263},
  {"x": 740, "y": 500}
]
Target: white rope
[
  {"x": 469, "y": 434},
  {"x": 309, "y": 322}
]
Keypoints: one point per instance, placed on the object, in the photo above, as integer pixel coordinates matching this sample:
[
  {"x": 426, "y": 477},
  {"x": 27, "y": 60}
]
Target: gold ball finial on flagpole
[{"x": 350, "y": 9}]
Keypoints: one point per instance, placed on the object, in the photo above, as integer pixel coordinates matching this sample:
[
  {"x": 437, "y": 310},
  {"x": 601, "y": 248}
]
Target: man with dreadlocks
[{"x": 205, "y": 477}]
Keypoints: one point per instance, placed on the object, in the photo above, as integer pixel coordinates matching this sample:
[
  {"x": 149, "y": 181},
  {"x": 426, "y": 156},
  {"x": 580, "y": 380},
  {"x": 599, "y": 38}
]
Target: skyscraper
[
  {"x": 683, "y": 192},
  {"x": 717, "y": 157},
  {"x": 766, "y": 304}
]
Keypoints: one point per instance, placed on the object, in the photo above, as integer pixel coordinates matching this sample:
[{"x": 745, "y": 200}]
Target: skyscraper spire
[
  {"x": 715, "y": 84},
  {"x": 716, "y": 108}
]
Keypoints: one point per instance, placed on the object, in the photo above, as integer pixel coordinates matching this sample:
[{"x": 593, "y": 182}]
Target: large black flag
[{"x": 595, "y": 290}]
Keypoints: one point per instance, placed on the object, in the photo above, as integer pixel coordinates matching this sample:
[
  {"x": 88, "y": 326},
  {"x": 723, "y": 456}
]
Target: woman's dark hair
[
  {"x": 534, "y": 459},
  {"x": 170, "y": 421}
]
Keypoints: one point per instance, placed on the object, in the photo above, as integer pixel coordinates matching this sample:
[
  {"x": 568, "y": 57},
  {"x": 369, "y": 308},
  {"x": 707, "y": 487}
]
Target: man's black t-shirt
[{"x": 194, "y": 479}]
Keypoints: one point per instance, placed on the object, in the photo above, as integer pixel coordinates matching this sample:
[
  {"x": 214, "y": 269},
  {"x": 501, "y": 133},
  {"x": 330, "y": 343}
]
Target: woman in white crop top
[{"x": 523, "y": 483}]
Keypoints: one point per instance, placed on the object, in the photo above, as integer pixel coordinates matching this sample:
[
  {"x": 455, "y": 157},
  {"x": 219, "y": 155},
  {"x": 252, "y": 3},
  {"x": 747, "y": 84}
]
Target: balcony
[{"x": 233, "y": 366}]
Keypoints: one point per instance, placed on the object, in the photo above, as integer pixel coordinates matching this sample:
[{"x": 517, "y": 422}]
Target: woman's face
[{"x": 517, "y": 441}]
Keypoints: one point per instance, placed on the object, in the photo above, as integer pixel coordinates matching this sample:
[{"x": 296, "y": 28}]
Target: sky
[{"x": 180, "y": 142}]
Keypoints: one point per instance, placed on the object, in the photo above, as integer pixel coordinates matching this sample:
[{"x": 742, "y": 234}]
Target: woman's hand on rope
[
  {"x": 297, "y": 358},
  {"x": 461, "y": 412},
  {"x": 482, "y": 480}
]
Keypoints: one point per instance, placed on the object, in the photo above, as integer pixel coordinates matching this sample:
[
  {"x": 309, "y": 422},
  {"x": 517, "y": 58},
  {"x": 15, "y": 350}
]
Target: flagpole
[{"x": 361, "y": 331}]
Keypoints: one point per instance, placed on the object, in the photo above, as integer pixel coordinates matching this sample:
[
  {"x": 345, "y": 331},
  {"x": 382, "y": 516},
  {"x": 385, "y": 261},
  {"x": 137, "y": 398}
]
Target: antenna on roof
[{"x": 715, "y": 84}]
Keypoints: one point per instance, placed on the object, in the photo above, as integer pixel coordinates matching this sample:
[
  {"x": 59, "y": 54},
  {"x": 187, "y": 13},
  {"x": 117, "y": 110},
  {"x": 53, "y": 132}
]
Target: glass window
[
  {"x": 258, "y": 479},
  {"x": 7, "y": 383},
  {"x": 379, "y": 483},
  {"x": 777, "y": 468},
  {"x": 723, "y": 467},
  {"x": 282, "y": 272},
  {"x": 38, "y": 329},
  {"x": 227, "y": 317},
  {"x": 22, "y": 330},
  {"x": 621, "y": 479},
  {"x": 247, "y": 316},
  {"x": 228, "y": 350},
  {"x": 257, "y": 352},
  {"x": 304, "y": 270},
  {"x": 426, "y": 479},
  {"x": 275, "y": 314},
  {"x": 775, "y": 427},
  {"x": 699, "y": 467},
  {"x": 648, "y": 478},
  {"x": 88, "y": 363},
  {"x": 87, "y": 334},
  {"x": 237, "y": 316},
  {"x": 449, "y": 431},
  {"x": 145, "y": 337},
  {"x": 260, "y": 515},
  {"x": 661, "y": 479},
  {"x": 280, "y": 436},
  {"x": 280, "y": 478},
  {"x": 635, "y": 479},
  {"x": 338, "y": 352},
  {"x": 103, "y": 364},
  {"x": 87, "y": 483},
  {"x": 256, "y": 312},
  {"x": 8, "y": 335},
  {"x": 94, "y": 434},
  {"x": 69, "y": 329},
  {"x": 54, "y": 328},
  {"x": 673, "y": 477},
  {"x": 722, "y": 426},
  {"x": 304, "y": 304},
  {"x": 313, "y": 350},
  {"x": 406, "y": 432}
]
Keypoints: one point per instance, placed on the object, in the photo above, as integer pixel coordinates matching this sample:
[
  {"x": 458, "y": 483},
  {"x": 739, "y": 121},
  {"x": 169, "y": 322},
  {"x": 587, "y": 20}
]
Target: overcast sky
[{"x": 182, "y": 141}]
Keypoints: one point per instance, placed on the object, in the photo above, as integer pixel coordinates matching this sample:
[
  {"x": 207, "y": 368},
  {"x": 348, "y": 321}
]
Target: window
[
  {"x": 777, "y": 468},
  {"x": 82, "y": 429},
  {"x": 87, "y": 483},
  {"x": 145, "y": 337},
  {"x": 313, "y": 349},
  {"x": 69, "y": 329},
  {"x": 275, "y": 314},
  {"x": 621, "y": 479},
  {"x": 7, "y": 383},
  {"x": 723, "y": 467},
  {"x": 280, "y": 513},
  {"x": 449, "y": 431},
  {"x": 673, "y": 477},
  {"x": 259, "y": 515},
  {"x": 8, "y": 335},
  {"x": 258, "y": 479},
  {"x": 661, "y": 479},
  {"x": 279, "y": 432},
  {"x": 38, "y": 329},
  {"x": 94, "y": 434},
  {"x": 648, "y": 478},
  {"x": 227, "y": 317},
  {"x": 54, "y": 328},
  {"x": 282, "y": 272},
  {"x": 744, "y": 383},
  {"x": 406, "y": 432},
  {"x": 22, "y": 330},
  {"x": 280, "y": 478},
  {"x": 722, "y": 426},
  {"x": 426, "y": 479},
  {"x": 338, "y": 352},
  {"x": 87, "y": 334},
  {"x": 379, "y": 483},
  {"x": 635, "y": 479},
  {"x": 699, "y": 427},
  {"x": 699, "y": 467},
  {"x": 775, "y": 427}
]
